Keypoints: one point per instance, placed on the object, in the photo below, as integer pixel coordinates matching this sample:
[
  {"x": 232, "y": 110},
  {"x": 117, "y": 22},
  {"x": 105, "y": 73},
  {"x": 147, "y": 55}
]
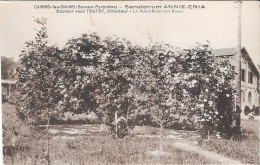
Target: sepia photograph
[{"x": 130, "y": 82}]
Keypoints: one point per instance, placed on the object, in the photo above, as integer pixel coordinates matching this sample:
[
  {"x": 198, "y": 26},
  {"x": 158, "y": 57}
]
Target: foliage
[
  {"x": 175, "y": 82},
  {"x": 115, "y": 83},
  {"x": 122, "y": 128},
  {"x": 36, "y": 82},
  {"x": 9, "y": 99},
  {"x": 15, "y": 132},
  {"x": 112, "y": 77},
  {"x": 204, "y": 89},
  {"x": 152, "y": 84},
  {"x": 8, "y": 66},
  {"x": 143, "y": 119},
  {"x": 77, "y": 77},
  {"x": 4, "y": 98},
  {"x": 247, "y": 110},
  {"x": 87, "y": 75},
  {"x": 256, "y": 110},
  {"x": 183, "y": 123}
]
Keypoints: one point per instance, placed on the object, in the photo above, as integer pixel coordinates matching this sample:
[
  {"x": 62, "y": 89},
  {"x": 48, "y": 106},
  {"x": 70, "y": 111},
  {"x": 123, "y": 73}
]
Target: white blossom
[{"x": 78, "y": 77}]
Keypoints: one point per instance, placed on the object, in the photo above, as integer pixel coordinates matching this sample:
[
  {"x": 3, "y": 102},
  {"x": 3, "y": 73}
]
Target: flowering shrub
[
  {"x": 112, "y": 76},
  {"x": 204, "y": 88}
]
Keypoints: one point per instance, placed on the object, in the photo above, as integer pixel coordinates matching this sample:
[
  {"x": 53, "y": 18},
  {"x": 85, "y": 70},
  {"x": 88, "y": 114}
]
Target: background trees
[{"x": 8, "y": 66}]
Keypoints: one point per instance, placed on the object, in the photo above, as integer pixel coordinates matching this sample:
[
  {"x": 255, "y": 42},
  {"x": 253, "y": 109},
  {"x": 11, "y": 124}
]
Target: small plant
[
  {"x": 4, "y": 98},
  {"x": 122, "y": 128},
  {"x": 256, "y": 111},
  {"x": 247, "y": 110}
]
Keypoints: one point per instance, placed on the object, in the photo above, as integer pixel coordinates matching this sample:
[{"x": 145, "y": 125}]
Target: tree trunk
[
  {"x": 127, "y": 115},
  {"x": 48, "y": 154}
]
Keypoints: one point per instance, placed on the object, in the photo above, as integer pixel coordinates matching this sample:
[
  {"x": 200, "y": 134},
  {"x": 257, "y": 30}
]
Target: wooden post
[
  {"x": 161, "y": 136},
  {"x": 9, "y": 90}
]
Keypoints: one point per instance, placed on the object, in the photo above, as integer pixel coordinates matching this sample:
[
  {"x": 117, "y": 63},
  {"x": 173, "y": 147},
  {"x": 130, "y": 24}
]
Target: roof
[
  {"x": 224, "y": 51},
  {"x": 8, "y": 81},
  {"x": 232, "y": 52}
]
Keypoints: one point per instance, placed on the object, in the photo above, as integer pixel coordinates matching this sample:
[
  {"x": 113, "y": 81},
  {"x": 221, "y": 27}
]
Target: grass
[
  {"x": 100, "y": 148},
  {"x": 245, "y": 150},
  {"x": 95, "y": 148},
  {"x": 106, "y": 150}
]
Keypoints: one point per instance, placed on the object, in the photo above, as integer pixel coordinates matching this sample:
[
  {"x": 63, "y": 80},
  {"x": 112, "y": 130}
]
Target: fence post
[{"x": 116, "y": 122}]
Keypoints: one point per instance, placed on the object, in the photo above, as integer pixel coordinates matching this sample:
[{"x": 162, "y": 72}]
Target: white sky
[{"x": 217, "y": 23}]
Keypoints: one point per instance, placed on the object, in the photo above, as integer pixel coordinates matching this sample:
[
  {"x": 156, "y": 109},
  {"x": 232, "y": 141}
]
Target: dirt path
[
  {"x": 207, "y": 154},
  {"x": 188, "y": 141}
]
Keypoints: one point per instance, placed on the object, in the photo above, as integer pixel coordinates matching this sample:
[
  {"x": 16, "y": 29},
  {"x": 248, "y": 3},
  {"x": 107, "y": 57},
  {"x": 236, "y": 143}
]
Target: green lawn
[{"x": 245, "y": 150}]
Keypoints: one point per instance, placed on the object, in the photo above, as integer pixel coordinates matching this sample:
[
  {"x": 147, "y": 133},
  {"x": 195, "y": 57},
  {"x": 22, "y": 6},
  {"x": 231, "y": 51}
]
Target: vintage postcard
[{"x": 130, "y": 82}]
